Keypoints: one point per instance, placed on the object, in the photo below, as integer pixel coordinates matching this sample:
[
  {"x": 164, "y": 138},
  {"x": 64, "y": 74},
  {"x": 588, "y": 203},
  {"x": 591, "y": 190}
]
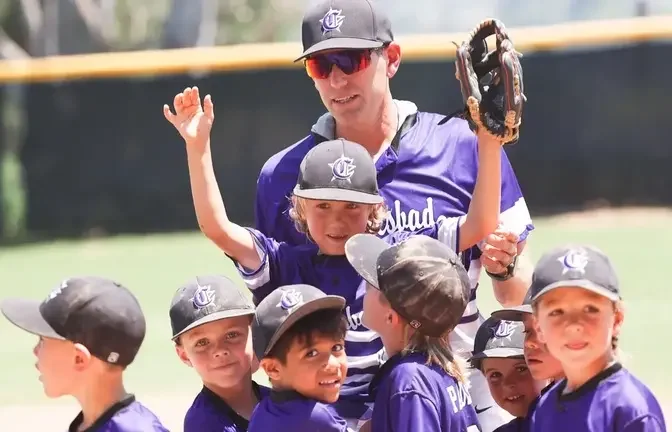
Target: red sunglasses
[{"x": 319, "y": 66}]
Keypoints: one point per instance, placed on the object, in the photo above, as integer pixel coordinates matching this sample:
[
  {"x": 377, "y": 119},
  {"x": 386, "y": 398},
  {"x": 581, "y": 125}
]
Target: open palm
[{"x": 191, "y": 119}]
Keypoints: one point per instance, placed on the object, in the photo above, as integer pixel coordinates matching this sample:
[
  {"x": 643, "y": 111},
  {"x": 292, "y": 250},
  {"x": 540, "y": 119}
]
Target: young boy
[
  {"x": 211, "y": 319},
  {"x": 498, "y": 354},
  {"x": 90, "y": 329},
  {"x": 543, "y": 367},
  {"x": 577, "y": 303},
  {"x": 416, "y": 293},
  {"x": 299, "y": 335},
  {"x": 336, "y": 196}
]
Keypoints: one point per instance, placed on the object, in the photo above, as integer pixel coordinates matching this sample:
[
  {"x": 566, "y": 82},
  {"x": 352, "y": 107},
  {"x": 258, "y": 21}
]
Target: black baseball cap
[
  {"x": 205, "y": 299},
  {"x": 96, "y": 312},
  {"x": 282, "y": 308},
  {"x": 422, "y": 278},
  {"x": 344, "y": 24},
  {"x": 338, "y": 170},
  {"x": 498, "y": 339},
  {"x": 582, "y": 266},
  {"x": 515, "y": 313}
]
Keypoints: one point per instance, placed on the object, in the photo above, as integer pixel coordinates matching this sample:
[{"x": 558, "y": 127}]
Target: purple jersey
[
  {"x": 210, "y": 413},
  {"x": 613, "y": 400},
  {"x": 127, "y": 415},
  {"x": 413, "y": 396},
  {"x": 284, "y": 264},
  {"x": 427, "y": 174},
  {"x": 291, "y": 412}
]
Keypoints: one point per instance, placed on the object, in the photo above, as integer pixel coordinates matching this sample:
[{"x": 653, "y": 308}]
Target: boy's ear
[
  {"x": 272, "y": 367},
  {"x": 182, "y": 354},
  {"x": 83, "y": 357}
]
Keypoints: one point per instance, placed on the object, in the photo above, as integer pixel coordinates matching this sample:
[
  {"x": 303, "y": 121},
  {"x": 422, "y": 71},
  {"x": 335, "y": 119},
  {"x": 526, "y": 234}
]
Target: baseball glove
[{"x": 491, "y": 82}]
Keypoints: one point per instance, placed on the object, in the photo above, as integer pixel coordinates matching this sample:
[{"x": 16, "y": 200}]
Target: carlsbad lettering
[{"x": 398, "y": 220}]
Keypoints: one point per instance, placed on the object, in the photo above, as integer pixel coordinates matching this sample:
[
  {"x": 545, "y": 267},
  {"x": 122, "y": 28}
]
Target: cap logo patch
[
  {"x": 56, "y": 291},
  {"x": 415, "y": 324},
  {"x": 574, "y": 260},
  {"x": 342, "y": 168},
  {"x": 505, "y": 329},
  {"x": 290, "y": 299},
  {"x": 113, "y": 357},
  {"x": 332, "y": 21},
  {"x": 203, "y": 296}
]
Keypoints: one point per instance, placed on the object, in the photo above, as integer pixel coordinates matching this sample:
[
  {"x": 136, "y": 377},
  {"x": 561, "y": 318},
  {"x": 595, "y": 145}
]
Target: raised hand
[{"x": 191, "y": 119}]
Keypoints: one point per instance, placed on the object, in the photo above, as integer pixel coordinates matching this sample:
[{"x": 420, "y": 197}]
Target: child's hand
[{"x": 192, "y": 120}]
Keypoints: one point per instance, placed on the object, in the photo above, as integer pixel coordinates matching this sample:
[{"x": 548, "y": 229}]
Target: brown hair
[{"x": 298, "y": 215}]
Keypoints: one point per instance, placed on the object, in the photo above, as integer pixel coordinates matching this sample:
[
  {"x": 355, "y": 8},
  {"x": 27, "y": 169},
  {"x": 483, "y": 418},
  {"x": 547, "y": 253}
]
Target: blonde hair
[
  {"x": 297, "y": 214},
  {"x": 438, "y": 353}
]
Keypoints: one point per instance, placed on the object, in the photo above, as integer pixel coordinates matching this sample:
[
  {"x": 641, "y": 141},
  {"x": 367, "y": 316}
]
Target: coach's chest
[{"x": 418, "y": 200}]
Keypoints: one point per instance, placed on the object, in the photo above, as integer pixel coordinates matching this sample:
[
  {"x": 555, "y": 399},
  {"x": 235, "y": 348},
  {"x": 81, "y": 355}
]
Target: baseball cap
[
  {"x": 205, "y": 299},
  {"x": 422, "y": 278},
  {"x": 344, "y": 24},
  {"x": 515, "y": 313},
  {"x": 96, "y": 312},
  {"x": 581, "y": 266},
  {"x": 338, "y": 170},
  {"x": 282, "y": 308},
  {"x": 498, "y": 339}
]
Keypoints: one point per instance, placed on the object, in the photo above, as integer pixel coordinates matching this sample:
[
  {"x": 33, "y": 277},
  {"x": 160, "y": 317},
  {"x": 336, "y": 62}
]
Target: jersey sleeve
[
  {"x": 410, "y": 411},
  {"x": 645, "y": 423},
  {"x": 276, "y": 269},
  {"x": 514, "y": 214}
]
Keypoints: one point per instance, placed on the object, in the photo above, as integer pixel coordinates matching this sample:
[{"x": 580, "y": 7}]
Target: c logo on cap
[
  {"x": 504, "y": 329},
  {"x": 290, "y": 299},
  {"x": 332, "y": 20},
  {"x": 342, "y": 168},
  {"x": 203, "y": 296},
  {"x": 576, "y": 260}
]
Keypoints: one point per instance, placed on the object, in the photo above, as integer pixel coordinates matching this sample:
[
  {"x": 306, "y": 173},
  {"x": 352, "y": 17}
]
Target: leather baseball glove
[{"x": 491, "y": 82}]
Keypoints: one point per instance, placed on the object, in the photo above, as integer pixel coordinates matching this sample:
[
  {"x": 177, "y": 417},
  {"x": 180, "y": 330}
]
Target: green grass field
[{"x": 155, "y": 266}]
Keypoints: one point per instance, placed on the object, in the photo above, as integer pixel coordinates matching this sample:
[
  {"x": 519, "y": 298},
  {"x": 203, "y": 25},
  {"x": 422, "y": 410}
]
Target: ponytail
[{"x": 438, "y": 352}]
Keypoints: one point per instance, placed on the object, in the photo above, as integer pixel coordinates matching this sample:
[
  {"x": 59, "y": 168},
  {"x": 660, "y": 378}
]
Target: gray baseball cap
[
  {"x": 343, "y": 25},
  {"x": 97, "y": 312},
  {"x": 422, "y": 278},
  {"x": 338, "y": 170},
  {"x": 578, "y": 265},
  {"x": 206, "y": 299},
  {"x": 498, "y": 339},
  {"x": 282, "y": 308}
]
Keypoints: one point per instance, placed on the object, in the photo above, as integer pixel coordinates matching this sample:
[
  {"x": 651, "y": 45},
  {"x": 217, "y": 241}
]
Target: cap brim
[
  {"x": 498, "y": 353},
  {"x": 516, "y": 313},
  {"x": 362, "y": 251},
  {"x": 214, "y": 317},
  {"x": 334, "y": 194},
  {"x": 322, "y": 303},
  {"x": 340, "y": 44},
  {"x": 580, "y": 283},
  {"x": 25, "y": 314}
]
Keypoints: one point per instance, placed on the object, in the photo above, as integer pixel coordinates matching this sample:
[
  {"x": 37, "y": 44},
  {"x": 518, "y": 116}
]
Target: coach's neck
[{"x": 374, "y": 132}]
